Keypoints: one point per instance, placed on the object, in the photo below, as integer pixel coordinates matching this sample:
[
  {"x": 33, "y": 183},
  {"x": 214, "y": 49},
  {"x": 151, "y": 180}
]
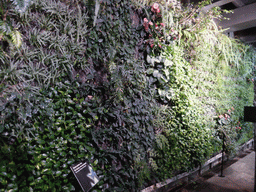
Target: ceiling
[{"x": 241, "y": 23}]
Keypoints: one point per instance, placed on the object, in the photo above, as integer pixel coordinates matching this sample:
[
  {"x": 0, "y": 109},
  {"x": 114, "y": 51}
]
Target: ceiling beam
[
  {"x": 216, "y": 4},
  {"x": 238, "y": 3},
  {"x": 242, "y": 18}
]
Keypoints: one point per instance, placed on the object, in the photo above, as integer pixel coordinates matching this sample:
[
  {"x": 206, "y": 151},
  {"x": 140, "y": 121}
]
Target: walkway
[{"x": 239, "y": 177}]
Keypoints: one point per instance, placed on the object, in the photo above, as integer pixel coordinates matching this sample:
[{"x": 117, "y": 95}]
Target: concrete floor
[{"x": 238, "y": 177}]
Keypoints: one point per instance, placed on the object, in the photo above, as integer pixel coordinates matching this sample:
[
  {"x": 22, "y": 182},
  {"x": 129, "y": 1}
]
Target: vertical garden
[{"x": 141, "y": 90}]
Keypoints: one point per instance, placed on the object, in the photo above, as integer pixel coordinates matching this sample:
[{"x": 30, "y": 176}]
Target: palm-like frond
[
  {"x": 21, "y": 5},
  {"x": 141, "y": 3},
  {"x": 16, "y": 38},
  {"x": 11, "y": 36}
]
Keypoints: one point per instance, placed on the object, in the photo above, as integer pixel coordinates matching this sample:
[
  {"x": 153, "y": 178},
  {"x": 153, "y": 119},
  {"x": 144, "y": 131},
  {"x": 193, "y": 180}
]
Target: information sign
[{"x": 85, "y": 175}]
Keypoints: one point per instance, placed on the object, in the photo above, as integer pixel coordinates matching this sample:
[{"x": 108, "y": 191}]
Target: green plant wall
[
  {"x": 141, "y": 90},
  {"x": 199, "y": 75}
]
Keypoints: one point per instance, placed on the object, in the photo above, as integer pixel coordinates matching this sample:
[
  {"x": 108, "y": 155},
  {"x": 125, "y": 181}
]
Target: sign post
[{"x": 250, "y": 116}]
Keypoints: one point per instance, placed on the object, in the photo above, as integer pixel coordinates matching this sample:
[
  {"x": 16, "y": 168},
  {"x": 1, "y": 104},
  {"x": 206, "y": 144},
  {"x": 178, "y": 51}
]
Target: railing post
[{"x": 222, "y": 158}]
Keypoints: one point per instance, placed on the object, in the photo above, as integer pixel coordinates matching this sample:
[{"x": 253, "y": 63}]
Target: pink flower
[
  {"x": 89, "y": 97},
  {"x": 229, "y": 110},
  {"x": 162, "y": 24},
  {"x": 238, "y": 122},
  {"x": 145, "y": 20},
  {"x": 152, "y": 45},
  {"x": 220, "y": 116},
  {"x": 160, "y": 46},
  {"x": 227, "y": 116},
  {"x": 155, "y": 6},
  {"x": 252, "y": 79},
  {"x": 150, "y": 23},
  {"x": 239, "y": 128},
  {"x": 232, "y": 108}
]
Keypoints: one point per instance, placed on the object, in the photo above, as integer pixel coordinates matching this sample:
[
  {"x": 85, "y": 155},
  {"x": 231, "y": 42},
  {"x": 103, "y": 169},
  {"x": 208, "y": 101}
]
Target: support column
[{"x": 254, "y": 126}]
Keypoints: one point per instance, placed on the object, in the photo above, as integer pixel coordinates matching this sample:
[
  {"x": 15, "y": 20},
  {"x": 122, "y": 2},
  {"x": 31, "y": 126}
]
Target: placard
[{"x": 85, "y": 175}]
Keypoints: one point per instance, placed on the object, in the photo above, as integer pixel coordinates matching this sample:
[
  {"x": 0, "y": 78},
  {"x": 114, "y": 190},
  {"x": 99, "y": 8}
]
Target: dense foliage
[{"x": 140, "y": 91}]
